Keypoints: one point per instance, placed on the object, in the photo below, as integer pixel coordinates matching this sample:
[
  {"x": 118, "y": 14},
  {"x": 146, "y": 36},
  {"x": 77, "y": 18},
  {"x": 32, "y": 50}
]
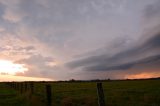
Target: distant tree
[{"x": 72, "y": 80}]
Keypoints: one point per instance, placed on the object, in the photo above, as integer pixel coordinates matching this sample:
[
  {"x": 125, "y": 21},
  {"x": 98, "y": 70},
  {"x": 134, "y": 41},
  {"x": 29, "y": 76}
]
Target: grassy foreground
[
  {"x": 117, "y": 93},
  {"x": 10, "y": 97}
]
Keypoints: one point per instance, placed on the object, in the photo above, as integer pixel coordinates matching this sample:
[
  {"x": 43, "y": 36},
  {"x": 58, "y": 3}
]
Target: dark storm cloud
[
  {"x": 102, "y": 67},
  {"x": 123, "y": 60},
  {"x": 153, "y": 9}
]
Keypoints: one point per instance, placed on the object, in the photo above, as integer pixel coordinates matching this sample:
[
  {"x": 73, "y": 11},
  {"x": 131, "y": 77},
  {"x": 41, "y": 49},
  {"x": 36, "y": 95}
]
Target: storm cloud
[
  {"x": 66, "y": 39},
  {"x": 141, "y": 54}
]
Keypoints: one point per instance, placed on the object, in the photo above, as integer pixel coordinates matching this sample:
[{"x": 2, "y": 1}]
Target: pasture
[{"x": 117, "y": 93}]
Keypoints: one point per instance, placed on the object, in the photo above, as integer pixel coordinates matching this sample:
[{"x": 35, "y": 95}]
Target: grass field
[
  {"x": 10, "y": 97},
  {"x": 117, "y": 93}
]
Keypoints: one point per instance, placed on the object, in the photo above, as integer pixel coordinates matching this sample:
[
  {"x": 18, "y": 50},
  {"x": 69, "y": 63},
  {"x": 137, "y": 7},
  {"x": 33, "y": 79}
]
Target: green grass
[
  {"x": 117, "y": 93},
  {"x": 10, "y": 97}
]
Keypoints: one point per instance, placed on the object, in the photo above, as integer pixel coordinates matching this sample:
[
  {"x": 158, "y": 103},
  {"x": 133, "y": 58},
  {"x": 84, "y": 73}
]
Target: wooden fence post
[
  {"x": 101, "y": 100},
  {"x": 11, "y": 84},
  {"x": 21, "y": 87},
  {"x": 32, "y": 87},
  {"x": 49, "y": 95},
  {"x": 25, "y": 86},
  {"x": 18, "y": 86},
  {"x": 14, "y": 85}
]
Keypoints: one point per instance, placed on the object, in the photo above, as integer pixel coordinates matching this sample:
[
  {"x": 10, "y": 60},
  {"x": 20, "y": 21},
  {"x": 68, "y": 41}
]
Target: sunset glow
[
  {"x": 21, "y": 78},
  {"x": 142, "y": 76},
  {"x": 8, "y": 67}
]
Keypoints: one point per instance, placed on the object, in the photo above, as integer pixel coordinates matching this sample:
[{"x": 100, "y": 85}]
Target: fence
[{"x": 24, "y": 87}]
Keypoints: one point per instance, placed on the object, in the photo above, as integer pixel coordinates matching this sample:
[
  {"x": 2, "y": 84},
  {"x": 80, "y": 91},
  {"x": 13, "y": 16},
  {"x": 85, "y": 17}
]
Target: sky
[{"x": 79, "y": 39}]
